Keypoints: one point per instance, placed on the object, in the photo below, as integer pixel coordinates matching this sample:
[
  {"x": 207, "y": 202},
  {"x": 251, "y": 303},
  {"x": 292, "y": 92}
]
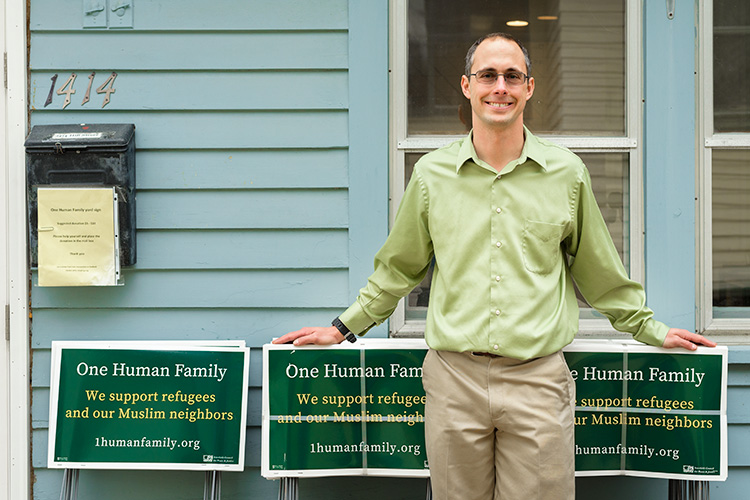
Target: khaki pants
[{"x": 499, "y": 428}]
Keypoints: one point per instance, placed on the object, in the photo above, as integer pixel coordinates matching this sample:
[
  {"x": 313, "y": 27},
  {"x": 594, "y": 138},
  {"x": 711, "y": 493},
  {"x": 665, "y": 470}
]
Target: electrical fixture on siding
[{"x": 111, "y": 14}]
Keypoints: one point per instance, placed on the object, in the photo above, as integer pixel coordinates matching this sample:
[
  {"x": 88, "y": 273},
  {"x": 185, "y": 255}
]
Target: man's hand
[
  {"x": 312, "y": 335},
  {"x": 676, "y": 337}
]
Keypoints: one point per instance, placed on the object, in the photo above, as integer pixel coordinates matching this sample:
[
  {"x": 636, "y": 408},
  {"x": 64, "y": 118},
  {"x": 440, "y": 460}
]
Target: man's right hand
[{"x": 312, "y": 335}]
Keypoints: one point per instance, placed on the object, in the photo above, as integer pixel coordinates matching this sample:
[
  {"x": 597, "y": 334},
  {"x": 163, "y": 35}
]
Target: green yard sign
[
  {"x": 145, "y": 405},
  {"x": 359, "y": 410},
  {"x": 650, "y": 412},
  {"x": 344, "y": 410}
]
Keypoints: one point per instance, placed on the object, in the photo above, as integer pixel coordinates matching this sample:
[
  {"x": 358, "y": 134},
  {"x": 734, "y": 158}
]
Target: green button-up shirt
[{"x": 507, "y": 247}]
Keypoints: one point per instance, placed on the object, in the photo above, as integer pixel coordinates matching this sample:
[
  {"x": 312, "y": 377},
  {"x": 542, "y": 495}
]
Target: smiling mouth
[{"x": 499, "y": 104}]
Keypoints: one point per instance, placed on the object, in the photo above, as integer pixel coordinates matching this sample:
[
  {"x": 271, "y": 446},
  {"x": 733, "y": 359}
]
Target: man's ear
[
  {"x": 465, "y": 86},
  {"x": 530, "y": 89}
]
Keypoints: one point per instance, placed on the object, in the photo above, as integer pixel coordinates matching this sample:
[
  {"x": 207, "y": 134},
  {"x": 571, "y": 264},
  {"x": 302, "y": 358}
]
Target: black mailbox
[{"x": 84, "y": 155}]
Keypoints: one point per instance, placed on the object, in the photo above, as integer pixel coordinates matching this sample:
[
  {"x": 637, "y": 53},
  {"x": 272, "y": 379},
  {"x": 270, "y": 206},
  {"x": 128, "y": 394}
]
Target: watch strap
[{"x": 341, "y": 327}]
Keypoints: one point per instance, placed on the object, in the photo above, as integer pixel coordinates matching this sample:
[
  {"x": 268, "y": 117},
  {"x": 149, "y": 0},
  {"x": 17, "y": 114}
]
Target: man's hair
[{"x": 506, "y": 36}]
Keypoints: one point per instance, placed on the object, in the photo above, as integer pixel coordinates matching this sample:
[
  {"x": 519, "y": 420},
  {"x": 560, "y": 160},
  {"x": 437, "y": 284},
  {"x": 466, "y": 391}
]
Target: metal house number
[{"x": 107, "y": 88}]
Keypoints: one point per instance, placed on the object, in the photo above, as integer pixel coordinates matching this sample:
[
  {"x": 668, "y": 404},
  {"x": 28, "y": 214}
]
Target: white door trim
[
  {"x": 14, "y": 355},
  {"x": 4, "y": 288}
]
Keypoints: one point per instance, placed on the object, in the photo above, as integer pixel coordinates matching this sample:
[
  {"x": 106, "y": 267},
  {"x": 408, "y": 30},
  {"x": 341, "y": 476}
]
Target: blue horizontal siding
[
  {"x": 160, "y": 485},
  {"x": 739, "y": 444},
  {"x": 254, "y": 325},
  {"x": 621, "y": 488},
  {"x": 739, "y": 355},
  {"x": 735, "y": 487},
  {"x": 739, "y": 375},
  {"x": 368, "y": 126},
  {"x": 239, "y": 249},
  {"x": 159, "y": 51},
  {"x": 248, "y": 209},
  {"x": 738, "y": 405},
  {"x": 197, "y": 90},
  {"x": 246, "y": 177},
  {"x": 205, "y": 289},
  {"x": 219, "y": 130},
  {"x": 243, "y": 169},
  {"x": 197, "y": 15}
]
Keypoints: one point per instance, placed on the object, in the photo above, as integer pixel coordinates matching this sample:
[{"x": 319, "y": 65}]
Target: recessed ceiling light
[
  {"x": 547, "y": 18},
  {"x": 517, "y": 23}
]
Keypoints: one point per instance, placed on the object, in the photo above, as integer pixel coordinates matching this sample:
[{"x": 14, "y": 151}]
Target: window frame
[
  {"x": 724, "y": 330},
  {"x": 631, "y": 143}
]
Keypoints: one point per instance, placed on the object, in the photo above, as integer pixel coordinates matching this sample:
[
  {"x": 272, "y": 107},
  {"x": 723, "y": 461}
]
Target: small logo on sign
[
  {"x": 688, "y": 468},
  {"x": 208, "y": 458}
]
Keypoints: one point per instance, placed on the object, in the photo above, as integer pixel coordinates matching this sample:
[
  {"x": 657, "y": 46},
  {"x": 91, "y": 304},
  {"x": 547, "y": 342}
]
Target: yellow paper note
[{"x": 77, "y": 245}]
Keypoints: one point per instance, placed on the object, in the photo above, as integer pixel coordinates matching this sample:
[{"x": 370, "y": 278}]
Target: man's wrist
[{"x": 341, "y": 327}]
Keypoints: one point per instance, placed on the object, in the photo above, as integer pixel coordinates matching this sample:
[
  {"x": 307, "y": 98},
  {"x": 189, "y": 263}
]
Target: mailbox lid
[{"x": 100, "y": 137}]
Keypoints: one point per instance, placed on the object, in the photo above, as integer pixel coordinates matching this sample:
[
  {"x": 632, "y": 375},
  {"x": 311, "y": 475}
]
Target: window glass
[
  {"x": 577, "y": 50},
  {"x": 731, "y": 66},
  {"x": 731, "y": 233},
  {"x": 609, "y": 179}
]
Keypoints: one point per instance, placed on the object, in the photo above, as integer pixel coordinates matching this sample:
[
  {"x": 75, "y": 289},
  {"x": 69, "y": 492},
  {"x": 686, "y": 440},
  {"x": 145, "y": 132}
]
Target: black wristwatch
[{"x": 348, "y": 335}]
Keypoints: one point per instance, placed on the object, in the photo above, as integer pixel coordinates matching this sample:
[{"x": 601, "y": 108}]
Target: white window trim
[
  {"x": 402, "y": 144},
  {"x": 724, "y": 330}
]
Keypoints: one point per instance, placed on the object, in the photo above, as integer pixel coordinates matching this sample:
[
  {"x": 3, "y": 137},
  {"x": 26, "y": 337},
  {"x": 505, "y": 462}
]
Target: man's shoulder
[
  {"x": 555, "y": 150},
  {"x": 559, "y": 158},
  {"x": 441, "y": 159}
]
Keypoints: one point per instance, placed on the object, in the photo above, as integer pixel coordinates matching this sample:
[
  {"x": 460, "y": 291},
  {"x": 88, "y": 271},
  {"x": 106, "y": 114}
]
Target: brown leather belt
[{"x": 486, "y": 354}]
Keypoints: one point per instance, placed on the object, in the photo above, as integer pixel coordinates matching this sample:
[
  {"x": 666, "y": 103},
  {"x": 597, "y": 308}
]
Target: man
[{"x": 510, "y": 221}]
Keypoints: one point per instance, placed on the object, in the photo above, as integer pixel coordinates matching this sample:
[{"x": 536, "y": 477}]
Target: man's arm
[
  {"x": 602, "y": 279},
  {"x": 400, "y": 265}
]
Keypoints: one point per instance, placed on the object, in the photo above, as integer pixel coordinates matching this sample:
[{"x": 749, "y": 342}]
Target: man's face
[{"x": 497, "y": 106}]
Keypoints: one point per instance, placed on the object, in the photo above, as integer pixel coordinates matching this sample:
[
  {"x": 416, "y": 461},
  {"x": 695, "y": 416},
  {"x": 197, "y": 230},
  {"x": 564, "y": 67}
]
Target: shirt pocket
[{"x": 541, "y": 246}]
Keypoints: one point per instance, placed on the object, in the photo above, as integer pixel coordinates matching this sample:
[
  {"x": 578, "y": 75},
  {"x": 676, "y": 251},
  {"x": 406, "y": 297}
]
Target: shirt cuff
[
  {"x": 356, "y": 319},
  {"x": 653, "y": 333}
]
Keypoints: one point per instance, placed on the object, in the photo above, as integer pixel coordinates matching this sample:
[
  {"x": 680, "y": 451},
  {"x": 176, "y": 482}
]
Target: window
[
  {"x": 725, "y": 166},
  {"x": 586, "y": 64}
]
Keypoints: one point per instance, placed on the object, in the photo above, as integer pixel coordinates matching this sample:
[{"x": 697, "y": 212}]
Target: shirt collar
[{"x": 532, "y": 150}]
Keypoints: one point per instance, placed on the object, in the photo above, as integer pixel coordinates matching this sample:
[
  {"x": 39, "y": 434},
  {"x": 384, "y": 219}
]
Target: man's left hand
[{"x": 677, "y": 337}]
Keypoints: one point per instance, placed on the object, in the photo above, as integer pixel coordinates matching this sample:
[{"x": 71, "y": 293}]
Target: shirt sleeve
[
  {"x": 600, "y": 275},
  {"x": 400, "y": 264}
]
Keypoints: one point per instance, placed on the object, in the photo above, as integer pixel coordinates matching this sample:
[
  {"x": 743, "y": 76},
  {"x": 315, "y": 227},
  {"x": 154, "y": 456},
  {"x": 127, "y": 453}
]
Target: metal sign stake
[
  {"x": 688, "y": 490},
  {"x": 212, "y": 485},
  {"x": 69, "y": 490},
  {"x": 289, "y": 488}
]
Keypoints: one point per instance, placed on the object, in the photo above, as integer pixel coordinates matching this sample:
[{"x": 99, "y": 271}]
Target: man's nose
[{"x": 500, "y": 85}]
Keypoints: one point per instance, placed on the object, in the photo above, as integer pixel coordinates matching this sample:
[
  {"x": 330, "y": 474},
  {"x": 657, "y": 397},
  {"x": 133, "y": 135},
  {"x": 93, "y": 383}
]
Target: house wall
[
  {"x": 262, "y": 177},
  {"x": 261, "y": 134}
]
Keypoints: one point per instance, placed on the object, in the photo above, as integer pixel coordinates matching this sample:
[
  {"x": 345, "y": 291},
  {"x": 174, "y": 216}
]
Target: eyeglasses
[{"x": 512, "y": 78}]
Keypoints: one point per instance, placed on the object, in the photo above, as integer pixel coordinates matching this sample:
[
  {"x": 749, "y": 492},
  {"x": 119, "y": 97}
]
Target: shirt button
[
  {"x": 499, "y": 210},
  {"x": 496, "y": 347},
  {"x": 499, "y": 244},
  {"x": 497, "y": 278},
  {"x": 497, "y": 312}
]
